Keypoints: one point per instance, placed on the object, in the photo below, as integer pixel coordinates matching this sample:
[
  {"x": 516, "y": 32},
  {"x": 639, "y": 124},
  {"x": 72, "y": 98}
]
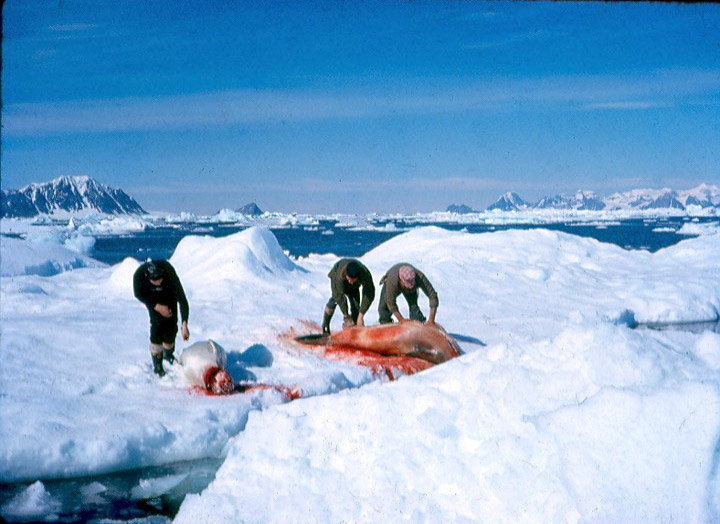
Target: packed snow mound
[
  {"x": 43, "y": 257},
  {"x": 253, "y": 254},
  {"x": 419, "y": 239},
  {"x": 204, "y": 261},
  {"x": 575, "y": 428},
  {"x": 121, "y": 277},
  {"x": 565, "y": 267}
]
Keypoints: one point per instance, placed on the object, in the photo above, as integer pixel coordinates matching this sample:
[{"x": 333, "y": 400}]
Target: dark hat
[
  {"x": 353, "y": 269},
  {"x": 154, "y": 271}
]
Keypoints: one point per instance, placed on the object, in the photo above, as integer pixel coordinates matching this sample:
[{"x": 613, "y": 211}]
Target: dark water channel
[{"x": 123, "y": 496}]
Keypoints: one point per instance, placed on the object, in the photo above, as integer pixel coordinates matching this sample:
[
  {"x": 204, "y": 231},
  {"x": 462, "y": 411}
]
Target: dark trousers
[
  {"x": 354, "y": 298},
  {"x": 411, "y": 296}
]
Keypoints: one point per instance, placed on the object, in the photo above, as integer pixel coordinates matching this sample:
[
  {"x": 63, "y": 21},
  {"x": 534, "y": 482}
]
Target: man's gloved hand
[{"x": 348, "y": 322}]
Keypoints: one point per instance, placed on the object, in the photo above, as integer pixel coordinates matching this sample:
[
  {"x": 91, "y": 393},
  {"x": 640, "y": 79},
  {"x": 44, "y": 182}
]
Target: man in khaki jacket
[{"x": 404, "y": 278}]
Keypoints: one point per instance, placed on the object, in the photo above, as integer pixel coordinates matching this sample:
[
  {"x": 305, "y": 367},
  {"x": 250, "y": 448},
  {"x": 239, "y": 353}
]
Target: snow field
[{"x": 558, "y": 411}]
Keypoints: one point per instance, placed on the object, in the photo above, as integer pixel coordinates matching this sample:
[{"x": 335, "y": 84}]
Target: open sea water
[{"x": 327, "y": 237}]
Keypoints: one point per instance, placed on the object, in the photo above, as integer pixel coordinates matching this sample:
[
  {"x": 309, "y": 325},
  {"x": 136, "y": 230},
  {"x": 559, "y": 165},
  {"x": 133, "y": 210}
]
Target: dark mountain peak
[
  {"x": 461, "y": 209},
  {"x": 250, "y": 209},
  {"x": 667, "y": 200}
]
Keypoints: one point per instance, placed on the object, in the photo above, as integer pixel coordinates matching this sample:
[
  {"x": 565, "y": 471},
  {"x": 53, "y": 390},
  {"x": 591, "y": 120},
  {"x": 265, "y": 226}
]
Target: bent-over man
[
  {"x": 406, "y": 279},
  {"x": 157, "y": 285},
  {"x": 346, "y": 278}
]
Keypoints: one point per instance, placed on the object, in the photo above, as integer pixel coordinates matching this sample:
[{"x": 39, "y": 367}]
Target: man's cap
[
  {"x": 353, "y": 269},
  {"x": 154, "y": 272},
  {"x": 407, "y": 276}
]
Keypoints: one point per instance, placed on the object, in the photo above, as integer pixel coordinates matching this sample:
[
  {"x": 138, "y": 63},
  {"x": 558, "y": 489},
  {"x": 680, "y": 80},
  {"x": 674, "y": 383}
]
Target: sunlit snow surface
[{"x": 562, "y": 414}]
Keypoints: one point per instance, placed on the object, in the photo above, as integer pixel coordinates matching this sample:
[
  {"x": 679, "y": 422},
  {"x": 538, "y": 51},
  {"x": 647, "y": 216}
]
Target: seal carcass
[
  {"x": 429, "y": 342},
  {"x": 203, "y": 365}
]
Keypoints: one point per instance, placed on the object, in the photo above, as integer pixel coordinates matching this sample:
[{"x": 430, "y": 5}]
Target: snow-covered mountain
[
  {"x": 67, "y": 194},
  {"x": 581, "y": 200},
  {"x": 509, "y": 202},
  {"x": 702, "y": 196}
]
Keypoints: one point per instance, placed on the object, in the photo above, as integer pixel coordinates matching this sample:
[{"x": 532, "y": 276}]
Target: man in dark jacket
[
  {"x": 404, "y": 278},
  {"x": 346, "y": 278},
  {"x": 157, "y": 285}
]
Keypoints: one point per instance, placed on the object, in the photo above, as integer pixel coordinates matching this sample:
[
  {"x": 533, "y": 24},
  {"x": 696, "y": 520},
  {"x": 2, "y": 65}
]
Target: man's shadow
[{"x": 257, "y": 356}]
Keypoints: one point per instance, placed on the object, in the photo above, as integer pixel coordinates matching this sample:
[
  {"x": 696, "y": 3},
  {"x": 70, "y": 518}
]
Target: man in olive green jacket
[
  {"x": 346, "y": 278},
  {"x": 404, "y": 278}
]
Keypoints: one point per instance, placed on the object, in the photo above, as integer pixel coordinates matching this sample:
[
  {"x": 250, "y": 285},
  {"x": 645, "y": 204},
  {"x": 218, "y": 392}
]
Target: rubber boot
[
  {"x": 326, "y": 321},
  {"x": 158, "y": 365},
  {"x": 169, "y": 355}
]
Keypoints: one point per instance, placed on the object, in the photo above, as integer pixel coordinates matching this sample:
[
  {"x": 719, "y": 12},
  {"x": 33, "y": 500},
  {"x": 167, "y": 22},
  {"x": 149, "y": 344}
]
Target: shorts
[{"x": 164, "y": 330}]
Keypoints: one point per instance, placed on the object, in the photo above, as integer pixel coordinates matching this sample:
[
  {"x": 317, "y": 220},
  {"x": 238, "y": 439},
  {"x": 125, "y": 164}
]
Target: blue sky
[{"x": 359, "y": 106}]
